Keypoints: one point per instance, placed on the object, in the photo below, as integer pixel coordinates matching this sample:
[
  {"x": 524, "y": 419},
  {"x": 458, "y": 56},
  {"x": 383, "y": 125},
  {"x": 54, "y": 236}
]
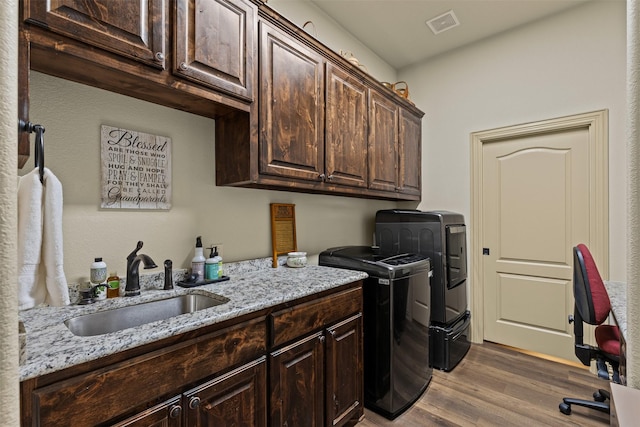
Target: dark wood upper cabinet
[
  {"x": 133, "y": 28},
  {"x": 409, "y": 153},
  {"x": 215, "y": 42},
  {"x": 383, "y": 142},
  {"x": 346, "y": 129},
  {"x": 291, "y": 114},
  {"x": 291, "y": 107}
]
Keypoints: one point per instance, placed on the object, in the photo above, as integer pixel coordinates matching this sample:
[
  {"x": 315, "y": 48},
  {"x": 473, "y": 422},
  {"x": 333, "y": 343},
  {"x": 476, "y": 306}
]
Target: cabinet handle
[
  {"x": 159, "y": 56},
  {"x": 175, "y": 411},
  {"x": 183, "y": 66},
  {"x": 330, "y": 177},
  {"x": 321, "y": 176},
  {"x": 321, "y": 338},
  {"x": 194, "y": 402},
  {"x": 332, "y": 332}
]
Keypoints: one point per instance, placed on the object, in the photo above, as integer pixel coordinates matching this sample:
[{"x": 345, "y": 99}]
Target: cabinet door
[
  {"x": 120, "y": 389},
  {"x": 291, "y": 107},
  {"x": 167, "y": 414},
  {"x": 409, "y": 149},
  {"x": 346, "y": 129},
  {"x": 133, "y": 28},
  {"x": 215, "y": 44},
  {"x": 383, "y": 142},
  {"x": 238, "y": 399},
  {"x": 296, "y": 374},
  {"x": 343, "y": 372}
]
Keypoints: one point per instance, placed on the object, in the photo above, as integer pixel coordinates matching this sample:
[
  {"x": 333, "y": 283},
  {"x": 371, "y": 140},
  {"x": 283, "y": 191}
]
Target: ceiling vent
[{"x": 443, "y": 22}]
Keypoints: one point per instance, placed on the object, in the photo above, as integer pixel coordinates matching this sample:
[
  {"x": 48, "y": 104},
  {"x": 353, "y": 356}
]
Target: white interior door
[{"x": 537, "y": 202}]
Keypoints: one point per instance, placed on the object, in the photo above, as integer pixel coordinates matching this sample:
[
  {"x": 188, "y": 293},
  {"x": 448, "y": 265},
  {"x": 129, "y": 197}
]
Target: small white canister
[
  {"x": 98, "y": 271},
  {"x": 296, "y": 259}
]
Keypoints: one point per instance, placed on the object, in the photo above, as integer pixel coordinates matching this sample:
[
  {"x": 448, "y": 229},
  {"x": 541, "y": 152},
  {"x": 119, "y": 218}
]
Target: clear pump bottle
[{"x": 197, "y": 263}]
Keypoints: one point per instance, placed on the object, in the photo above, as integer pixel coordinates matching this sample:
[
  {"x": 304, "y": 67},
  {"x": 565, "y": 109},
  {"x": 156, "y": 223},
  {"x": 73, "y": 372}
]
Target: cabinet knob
[
  {"x": 194, "y": 402},
  {"x": 321, "y": 338},
  {"x": 175, "y": 411},
  {"x": 159, "y": 56},
  {"x": 330, "y": 177},
  {"x": 321, "y": 176},
  {"x": 332, "y": 332},
  {"x": 183, "y": 66}
]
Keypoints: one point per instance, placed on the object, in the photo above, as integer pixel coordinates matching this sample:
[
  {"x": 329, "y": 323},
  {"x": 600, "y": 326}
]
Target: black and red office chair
[{"x": 592, "y": 306}]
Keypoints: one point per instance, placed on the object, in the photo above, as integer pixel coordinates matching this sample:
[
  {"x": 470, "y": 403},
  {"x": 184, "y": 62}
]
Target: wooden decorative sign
[
  {"x": 283, "y": 230},
  {"x": 136, "y": 169}
]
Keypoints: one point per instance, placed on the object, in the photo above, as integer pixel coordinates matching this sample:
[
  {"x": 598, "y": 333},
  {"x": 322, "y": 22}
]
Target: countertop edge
[{"x": 617, "y": 292}]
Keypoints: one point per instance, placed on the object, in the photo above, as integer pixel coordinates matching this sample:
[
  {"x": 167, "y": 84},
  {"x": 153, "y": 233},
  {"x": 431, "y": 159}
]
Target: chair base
[{"x": 598, "y": 404}]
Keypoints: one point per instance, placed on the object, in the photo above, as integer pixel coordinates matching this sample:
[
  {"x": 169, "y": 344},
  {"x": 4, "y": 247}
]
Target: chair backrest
[{"x": 591, "y": 298}]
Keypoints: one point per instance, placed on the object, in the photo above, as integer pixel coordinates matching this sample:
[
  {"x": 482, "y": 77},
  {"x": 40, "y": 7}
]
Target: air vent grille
[{"x": 443, "y": 22}]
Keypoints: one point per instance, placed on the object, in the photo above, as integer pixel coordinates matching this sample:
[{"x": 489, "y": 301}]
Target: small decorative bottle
[
  {"x": 113, "y": 285},
  {"x": 99, "y": 276}
]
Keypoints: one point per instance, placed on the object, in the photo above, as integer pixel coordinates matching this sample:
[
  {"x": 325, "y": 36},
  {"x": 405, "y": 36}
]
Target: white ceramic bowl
[{"x": 296, "y": 259}]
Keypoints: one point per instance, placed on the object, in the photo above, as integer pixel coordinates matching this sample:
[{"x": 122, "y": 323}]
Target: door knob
[
  {"x": 194, "y": 402},
  {"x": 175, "y": 411}
]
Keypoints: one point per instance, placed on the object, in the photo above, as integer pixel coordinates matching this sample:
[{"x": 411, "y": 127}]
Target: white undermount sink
[{"x": 104, "y": 322}]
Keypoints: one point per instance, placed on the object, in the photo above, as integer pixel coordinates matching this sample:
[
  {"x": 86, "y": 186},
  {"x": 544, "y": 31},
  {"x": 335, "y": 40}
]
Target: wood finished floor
[{"x": 498, "y": 386}]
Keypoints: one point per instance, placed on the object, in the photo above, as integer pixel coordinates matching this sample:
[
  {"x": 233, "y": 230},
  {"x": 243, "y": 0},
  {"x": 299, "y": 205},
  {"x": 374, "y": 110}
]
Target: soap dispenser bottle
[
  {"x": 218, "y": 259},
  {"x": 197, "y": 263},
  {"x": 211, "y": 265}
]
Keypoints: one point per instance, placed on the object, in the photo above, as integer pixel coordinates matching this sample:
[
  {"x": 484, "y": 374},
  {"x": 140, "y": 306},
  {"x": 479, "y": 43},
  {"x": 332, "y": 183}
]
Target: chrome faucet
[{"x": 133, "y": 278}]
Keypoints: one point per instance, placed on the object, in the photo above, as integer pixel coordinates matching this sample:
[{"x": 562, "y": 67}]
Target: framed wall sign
[{"x": 136, "y": 169}]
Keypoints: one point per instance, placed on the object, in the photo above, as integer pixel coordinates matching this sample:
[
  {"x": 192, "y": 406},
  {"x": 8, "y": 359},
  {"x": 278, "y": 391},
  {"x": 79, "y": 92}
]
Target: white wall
[
  {"x": 333, "y": 35},
  {"x": 9, "y": 385},
  {"x": 570, "y": 63}
]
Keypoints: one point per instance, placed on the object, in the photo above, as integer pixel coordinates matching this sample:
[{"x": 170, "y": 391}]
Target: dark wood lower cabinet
[
  {"x": 167, "y": 414},
  {"x": 343, "y": 372},
  {"x": 238, "y": 399},
  {"x": 298, "y": 364},
  {"x": 317, "y": 381},
  {"x": 297, "y": 387}
]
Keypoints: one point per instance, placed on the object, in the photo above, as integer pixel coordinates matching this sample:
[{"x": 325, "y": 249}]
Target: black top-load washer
[{"x": 396, "y": 315}]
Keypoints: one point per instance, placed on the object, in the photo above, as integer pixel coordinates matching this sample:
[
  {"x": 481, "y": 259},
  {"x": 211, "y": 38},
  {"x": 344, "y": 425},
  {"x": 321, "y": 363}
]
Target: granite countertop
[
  {"x": 618, "y": 296},
  {"x": 253, "y": 286}
]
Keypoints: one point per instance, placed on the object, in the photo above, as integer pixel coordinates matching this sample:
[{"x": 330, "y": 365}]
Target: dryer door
[{"x": 456, "y": 252}]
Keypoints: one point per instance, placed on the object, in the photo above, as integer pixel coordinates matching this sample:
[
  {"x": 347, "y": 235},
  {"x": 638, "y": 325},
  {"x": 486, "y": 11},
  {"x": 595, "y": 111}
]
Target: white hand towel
[
  {"x": 52, "y": 248},
  {"x": 40, "y": 234},
  {"x": 30, "y": 290}
]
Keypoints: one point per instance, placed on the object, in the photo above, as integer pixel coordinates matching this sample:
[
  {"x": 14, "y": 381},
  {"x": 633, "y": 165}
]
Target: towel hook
[{"x": 39, "y": 145}]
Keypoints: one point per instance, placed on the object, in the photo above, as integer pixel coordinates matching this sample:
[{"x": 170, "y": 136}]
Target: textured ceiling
[{"x": 396, "y": 30}]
